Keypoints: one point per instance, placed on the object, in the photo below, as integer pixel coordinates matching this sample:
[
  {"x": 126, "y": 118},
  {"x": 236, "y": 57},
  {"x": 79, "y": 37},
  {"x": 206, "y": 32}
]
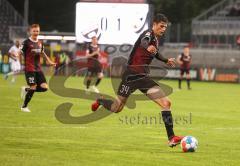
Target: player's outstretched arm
[
  {"x": 48, "y": 59},
  {"x": 170, "y": 61}
]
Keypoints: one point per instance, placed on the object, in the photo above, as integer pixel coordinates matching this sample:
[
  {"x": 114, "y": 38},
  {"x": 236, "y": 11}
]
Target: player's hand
[
  {"x": 171, "y": 62},
  {"x": 152, "y": 49},
  {"x": 180, "y": 62},
  {"x": 53, "y": 64},
  {"x": 95, "y": 52},
  {"x": 98, "y": 52}
]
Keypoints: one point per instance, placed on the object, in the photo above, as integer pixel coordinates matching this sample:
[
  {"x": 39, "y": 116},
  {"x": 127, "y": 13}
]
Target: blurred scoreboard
[{"x": 112, "y": 23}]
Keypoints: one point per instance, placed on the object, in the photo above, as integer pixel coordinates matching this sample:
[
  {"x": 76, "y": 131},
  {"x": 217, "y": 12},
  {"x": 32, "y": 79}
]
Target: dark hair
[{"x": 160, "y": 18}]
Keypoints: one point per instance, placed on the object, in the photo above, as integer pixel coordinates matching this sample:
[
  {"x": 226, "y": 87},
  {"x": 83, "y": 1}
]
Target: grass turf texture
[{"x": 37, "y": 138}]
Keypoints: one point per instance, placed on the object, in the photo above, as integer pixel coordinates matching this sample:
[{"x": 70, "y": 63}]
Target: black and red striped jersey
[
  {"x": 32, "y": 51},
  {"x": 186, "y": 60},
  {"x": 140, "y": 58},
  {"x": 92, "y": 48}
]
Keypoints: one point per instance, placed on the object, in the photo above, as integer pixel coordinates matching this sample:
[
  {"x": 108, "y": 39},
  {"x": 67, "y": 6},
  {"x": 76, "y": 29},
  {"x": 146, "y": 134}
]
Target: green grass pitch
[{"x": 210, "y": 112}]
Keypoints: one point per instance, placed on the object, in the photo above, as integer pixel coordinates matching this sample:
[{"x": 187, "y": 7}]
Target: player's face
[
  {"x": 159, "y": 28},
  {"x": 17, "y": 44},
  {"x": 94, "y": 41},
  {"x": 35, "y": 31},
  {"x": 186, "y": 51}
]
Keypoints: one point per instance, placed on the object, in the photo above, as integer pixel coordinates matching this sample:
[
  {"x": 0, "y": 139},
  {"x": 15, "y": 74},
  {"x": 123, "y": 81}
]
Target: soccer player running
[
  {"x": 32, "y": 49},
  {"x": 14, "y": 54},
  {"x": 93, "y": 64},
  {"x": 136, "y": 77},
  {"x": 184, "y": 60}
]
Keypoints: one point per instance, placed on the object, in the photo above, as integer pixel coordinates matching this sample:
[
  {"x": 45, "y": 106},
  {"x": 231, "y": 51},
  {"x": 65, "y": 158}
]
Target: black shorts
[
  {"x": 94, "y": 69},
  {"x": 184, "y": 70},
  {"x": 35, "y": 78},
  {"x": 132, "y": 81}
]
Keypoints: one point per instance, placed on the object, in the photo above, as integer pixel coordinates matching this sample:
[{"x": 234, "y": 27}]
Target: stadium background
[
  {"x": 206, "y": 26},
  {"x": 210, "y": 28}
]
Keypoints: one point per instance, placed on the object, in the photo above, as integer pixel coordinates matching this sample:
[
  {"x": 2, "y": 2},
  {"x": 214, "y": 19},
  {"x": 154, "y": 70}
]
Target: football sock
[
  {"x": 28, "y": 97},
  {"x": 168, "y": 121},
  {"x": 179, "y": 83},
  {"x": 188, "y": 83},
  {"x": 98, "y": 81},
  {"x": 27, "y": 89},
  {"x": 40, "y": 89},
  {"x": 105, "y": 103},
  {"x": 88, "y": 83}
]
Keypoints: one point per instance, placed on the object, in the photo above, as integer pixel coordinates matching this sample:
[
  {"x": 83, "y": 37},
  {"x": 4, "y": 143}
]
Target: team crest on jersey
[{"x": 37, "y": 51}]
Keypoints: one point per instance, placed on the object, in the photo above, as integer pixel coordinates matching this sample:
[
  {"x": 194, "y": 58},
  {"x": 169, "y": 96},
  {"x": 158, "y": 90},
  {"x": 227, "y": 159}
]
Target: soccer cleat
[
  {"x": 25, "y": 109},
  {"x": 95, "y": 106},
  {"x": 175, "y": 140},
  {"x": 95, "y": 89},
  {"x": 23, "y": 92}
]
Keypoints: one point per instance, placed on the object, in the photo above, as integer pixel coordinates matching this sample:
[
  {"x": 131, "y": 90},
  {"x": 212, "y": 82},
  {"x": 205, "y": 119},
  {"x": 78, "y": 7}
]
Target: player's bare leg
[
  {"x": 13, "y": 74},
  {"x": 29, "y": 94},
  {"x": 180, "y": 81},
  {"x": 99, "y": 78},
  {"x": 42, "y": 88},
  {"x": 89, "y": 79},
  {"x": 188, "y": 80},
  {"x": 158, "y": 96},
  {"x": 113, "y": 106}
]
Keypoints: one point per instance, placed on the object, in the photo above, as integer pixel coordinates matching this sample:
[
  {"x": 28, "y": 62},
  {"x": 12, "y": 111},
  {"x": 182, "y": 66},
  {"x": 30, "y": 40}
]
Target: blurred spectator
[
  {"x": 234, "y": 11},
  {"x": 0, "y": 56},
  {"x": 61, "y": 60},
  {"x": 238, "y": 40}
]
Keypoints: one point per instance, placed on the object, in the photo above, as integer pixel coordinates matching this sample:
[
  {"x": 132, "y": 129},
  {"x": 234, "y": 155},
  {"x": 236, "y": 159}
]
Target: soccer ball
[{"x": 189, "y": 144}]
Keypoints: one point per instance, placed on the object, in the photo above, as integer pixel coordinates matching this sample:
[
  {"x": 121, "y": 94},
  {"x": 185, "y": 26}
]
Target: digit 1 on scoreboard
[
  {"x": 119, "y": 24},
  {"x": 104, "y": 23}
]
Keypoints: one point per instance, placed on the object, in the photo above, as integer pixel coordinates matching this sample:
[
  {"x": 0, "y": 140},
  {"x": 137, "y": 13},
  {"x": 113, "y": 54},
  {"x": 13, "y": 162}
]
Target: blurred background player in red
[
  {"x": 184, "y": 60},
  {"x": 32, "y": 49},
  {"x": 94, "y": 66},
  {"x": 14, "y": 60}
]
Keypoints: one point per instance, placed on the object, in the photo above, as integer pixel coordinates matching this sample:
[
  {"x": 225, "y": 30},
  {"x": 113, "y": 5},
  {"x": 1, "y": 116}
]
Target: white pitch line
[
  {"x": 41, "y": 127},
  {"x": 228, "y": 128}
]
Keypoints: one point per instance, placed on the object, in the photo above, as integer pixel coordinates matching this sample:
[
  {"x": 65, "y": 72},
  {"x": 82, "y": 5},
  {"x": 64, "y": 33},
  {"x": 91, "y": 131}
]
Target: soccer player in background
[
  {"x": 93, "y": 64},
  {"x": 136, "y": 77},
  {"x": 14, "y": 60},
  {"x": 184, "y": 60},
  {"x": 32, "y": 49}
]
